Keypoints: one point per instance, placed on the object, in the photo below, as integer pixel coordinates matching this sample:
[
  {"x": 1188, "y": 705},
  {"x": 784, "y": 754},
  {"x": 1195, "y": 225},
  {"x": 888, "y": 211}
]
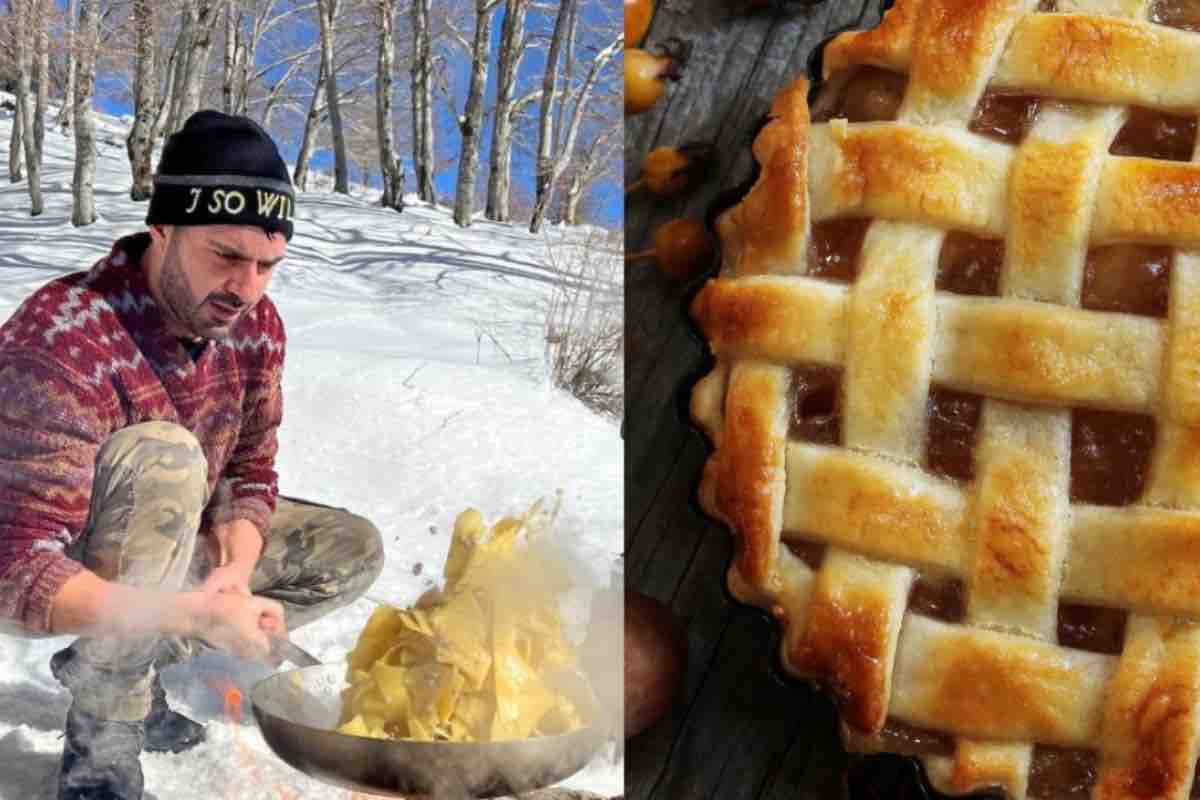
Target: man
[{"x": 139, "y": 404}]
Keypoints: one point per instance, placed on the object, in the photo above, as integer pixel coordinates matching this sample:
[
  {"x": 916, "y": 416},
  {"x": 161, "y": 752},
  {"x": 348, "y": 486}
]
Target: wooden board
[{"x": 738, "y": 730}]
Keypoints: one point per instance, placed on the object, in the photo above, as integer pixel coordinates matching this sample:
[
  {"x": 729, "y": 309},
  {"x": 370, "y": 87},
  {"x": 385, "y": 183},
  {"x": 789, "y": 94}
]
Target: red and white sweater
[{"x": 89, "y": 354}]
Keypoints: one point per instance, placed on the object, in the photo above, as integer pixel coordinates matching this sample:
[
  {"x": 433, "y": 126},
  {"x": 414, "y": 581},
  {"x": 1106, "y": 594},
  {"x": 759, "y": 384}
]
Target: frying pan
[{"x": 298, "y": 712}]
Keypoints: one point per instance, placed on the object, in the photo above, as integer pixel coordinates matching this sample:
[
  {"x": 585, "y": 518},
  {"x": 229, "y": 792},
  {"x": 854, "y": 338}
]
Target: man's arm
[
  {"x": 248, "y": 484},
  {"x": 239, "y": 545},
  {"x": 90, "y": 605}
]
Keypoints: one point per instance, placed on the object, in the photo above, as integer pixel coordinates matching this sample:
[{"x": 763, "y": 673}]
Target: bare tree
[
  {"x": 422, "y": 102},
  {"x": 166, "y": 98},
  {"x": 66, "y": 110},
  {"x": 183, "y": 49},
  {"x": 138, "y": 144},
  {"x": 204, "y": 24},
  {"x": 16, "y": 167},
  {"x": 512, "y": 35},
  {"x": 596, "y": 161},
  {"x": 389, "y": 164},
  {"x": 16, "y": 164},
  {"x": 470, "y": 124},
  {"x": 84, "y": 211},
  {"x": 26, "y": 36},
  {"x": 308, "y": 141},
  {"x": 41, "y": 75},
  {"x": 232, "y": 47},
  {"x": 327, "y": 11},
  {"x": 545, "y": 148},
  {"x": 568, "y": 72},
  {"x": 552, "y": 164}
]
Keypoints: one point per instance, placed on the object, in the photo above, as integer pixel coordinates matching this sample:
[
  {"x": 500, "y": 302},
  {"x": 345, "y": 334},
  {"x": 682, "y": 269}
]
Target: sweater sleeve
[
  {"x": 50, "y": 433},
  {"x": 249, "y": 485}
]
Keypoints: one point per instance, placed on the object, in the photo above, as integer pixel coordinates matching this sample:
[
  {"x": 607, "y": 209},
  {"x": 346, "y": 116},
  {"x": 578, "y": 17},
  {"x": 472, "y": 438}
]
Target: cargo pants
[{"x": 148, "y": 496}]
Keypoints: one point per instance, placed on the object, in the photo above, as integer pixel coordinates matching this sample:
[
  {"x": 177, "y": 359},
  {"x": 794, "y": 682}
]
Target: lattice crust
[{"x": 998, "y": 681}]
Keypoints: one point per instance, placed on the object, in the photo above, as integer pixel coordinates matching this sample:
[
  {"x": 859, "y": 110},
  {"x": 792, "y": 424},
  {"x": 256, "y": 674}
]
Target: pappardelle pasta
[{"x": 485, "y": 658}]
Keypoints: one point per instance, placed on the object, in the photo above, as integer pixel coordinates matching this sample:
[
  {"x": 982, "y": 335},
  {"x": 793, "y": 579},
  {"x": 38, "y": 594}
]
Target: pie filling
[
  {"x": 816, "y": 407},
  {"x": 1058, "y": 773},
  {"x": 871, "y": 94},
  {"x": 968, "y": 264},
  {"x": 836, "y": 244},
  {"x": 953, "y": 418},
  {"x": 1127, "y": 278},
  {"x": 1005, "y": 116},
  {"x": 1110, "y": 456},
  {"x": 1155, "y": 134},
  {"x": 1183, "y": 14}
]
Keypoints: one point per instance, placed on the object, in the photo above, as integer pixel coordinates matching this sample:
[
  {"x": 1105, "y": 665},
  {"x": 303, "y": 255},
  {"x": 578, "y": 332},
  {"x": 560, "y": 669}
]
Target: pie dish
[{"x": 955, "y": 400}]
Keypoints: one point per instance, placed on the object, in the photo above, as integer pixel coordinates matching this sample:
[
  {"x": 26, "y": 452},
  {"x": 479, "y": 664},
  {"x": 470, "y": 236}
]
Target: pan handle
[{"x": 285, "y": 650}]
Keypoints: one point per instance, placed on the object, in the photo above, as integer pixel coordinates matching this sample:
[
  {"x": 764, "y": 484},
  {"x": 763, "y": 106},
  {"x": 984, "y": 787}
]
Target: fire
[
  {"x": 234, "y": 712},
  {"x": 233, "y": 704}
]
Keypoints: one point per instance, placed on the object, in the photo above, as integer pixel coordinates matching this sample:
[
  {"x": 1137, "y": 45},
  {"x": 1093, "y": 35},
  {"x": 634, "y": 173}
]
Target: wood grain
[{"x": 738, "y": 730}]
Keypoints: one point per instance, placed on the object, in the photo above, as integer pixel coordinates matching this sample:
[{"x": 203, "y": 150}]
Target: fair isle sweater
[{"x": 89, "y": 354}]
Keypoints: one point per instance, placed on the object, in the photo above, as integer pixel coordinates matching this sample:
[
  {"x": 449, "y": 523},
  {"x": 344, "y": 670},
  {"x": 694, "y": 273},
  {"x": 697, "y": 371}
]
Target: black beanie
[{"x": 222, "y": 170}]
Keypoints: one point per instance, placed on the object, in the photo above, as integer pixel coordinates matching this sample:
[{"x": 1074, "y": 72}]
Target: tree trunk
[
  {"x": 26, "y": 37},
  {"x": 422, "y": 102},
  {"x": 389, "y": 165},
  {"x": 471, "y": 123},
  {"x": 231, "y": 50},
  {"x": 67, "y": 110},
  {"x": 41, "y": 75},
  {"x": 139, "y": 143},
  {"x": 327, "y": 10},
  {"x": 16, "y": 161},
  {"x": 601, "y": 148},
  {"x": 568, "y": 75},
  {"x": 84, "y": 212},
  {"x": 166, "y": 102},
  {"x": 183, "y": 50},
  {"x": 300, "y": 177},
  {"x": 512, "y": 34},
  {"x": 545, "y": 148},
  {"x": 206, "y": 12},
  {"x": 16, "y": 145}
]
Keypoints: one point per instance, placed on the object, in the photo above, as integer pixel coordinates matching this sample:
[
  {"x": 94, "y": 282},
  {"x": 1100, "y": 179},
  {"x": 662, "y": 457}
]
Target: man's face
[{"x": 211, "y": 275}]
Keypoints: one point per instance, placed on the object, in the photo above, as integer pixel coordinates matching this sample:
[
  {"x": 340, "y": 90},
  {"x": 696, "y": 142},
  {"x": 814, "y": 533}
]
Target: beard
[{"x": 197, "y": 317}]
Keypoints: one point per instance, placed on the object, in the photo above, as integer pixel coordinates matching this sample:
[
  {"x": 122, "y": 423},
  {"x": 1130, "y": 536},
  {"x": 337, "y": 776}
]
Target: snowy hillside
[{"x": 413, "y": 389}]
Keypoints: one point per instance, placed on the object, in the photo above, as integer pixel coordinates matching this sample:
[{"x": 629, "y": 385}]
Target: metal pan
[{"x": 298, "y": 711}]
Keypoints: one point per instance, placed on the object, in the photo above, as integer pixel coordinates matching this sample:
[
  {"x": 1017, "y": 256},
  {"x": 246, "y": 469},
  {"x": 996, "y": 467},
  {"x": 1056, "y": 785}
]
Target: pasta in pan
[{"x": 485, "y": 658}]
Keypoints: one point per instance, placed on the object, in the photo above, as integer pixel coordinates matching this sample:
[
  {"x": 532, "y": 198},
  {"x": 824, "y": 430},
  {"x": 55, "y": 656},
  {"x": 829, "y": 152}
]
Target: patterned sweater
[{"x": 89, "y": 354}]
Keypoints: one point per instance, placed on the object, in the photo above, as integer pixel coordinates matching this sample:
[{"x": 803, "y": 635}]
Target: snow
[{"x": 414, "y": 388}]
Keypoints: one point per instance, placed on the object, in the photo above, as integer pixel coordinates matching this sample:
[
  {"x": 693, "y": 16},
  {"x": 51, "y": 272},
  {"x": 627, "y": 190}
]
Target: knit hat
[{"x": 222, "y": 170}]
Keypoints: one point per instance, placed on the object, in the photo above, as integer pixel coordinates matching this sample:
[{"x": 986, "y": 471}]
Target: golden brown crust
[
  {"x": 1149, "y": 201},
  {"x": 848, "y": 498},
  {"x": 902, "y": 172},
  {"x": 845, "y": 643},
  {"x": 1149, "y": 746},
  {"x": 772, "y": 320},
  {"x": 749, "y": 465},
  {"x": 1102, "y": 59},
  {"x": 888, "y": 45},
  {"x": 950, "y": 678},
  {"x": 768, "y": 230},
  {"x": 1034, "y": 352}
]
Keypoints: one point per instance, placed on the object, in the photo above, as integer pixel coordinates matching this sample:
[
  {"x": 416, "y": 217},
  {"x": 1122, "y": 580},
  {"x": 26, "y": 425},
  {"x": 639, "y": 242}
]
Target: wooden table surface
[{"x": 738, "y": 730}]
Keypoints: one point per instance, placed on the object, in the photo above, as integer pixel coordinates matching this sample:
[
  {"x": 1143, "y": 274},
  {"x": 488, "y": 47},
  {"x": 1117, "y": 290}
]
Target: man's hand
[
  {"x": 237, "y": 546},
  {"x": 236, "y": 623}
]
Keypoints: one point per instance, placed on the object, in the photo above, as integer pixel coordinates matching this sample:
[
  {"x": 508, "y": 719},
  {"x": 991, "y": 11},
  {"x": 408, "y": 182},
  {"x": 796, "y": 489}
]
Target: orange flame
[
  {"x": 233, "y": 703},
  {"x": 234, "y": 711}
]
